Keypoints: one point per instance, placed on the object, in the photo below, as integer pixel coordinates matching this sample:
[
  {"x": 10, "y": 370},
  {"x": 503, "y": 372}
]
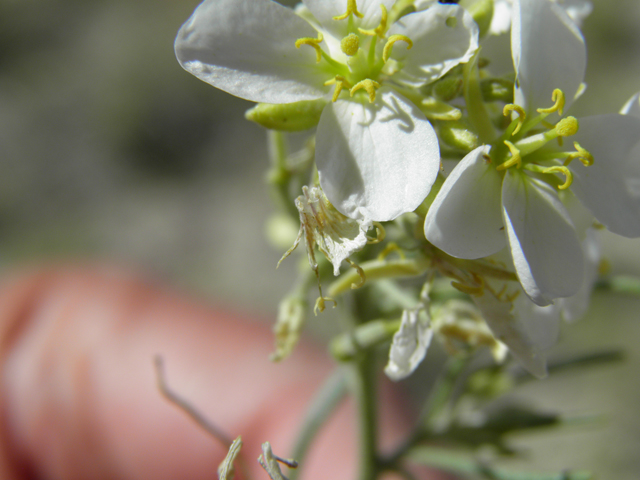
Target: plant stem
[{"x": 362, "y": 380}]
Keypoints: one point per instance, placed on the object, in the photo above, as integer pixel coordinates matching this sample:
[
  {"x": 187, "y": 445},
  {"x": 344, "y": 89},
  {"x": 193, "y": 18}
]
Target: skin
[{"x": 78, "y": 392}]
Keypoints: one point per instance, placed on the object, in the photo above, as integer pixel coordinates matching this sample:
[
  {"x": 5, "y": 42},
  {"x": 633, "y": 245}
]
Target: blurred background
[{"x": 109, "y": 150}]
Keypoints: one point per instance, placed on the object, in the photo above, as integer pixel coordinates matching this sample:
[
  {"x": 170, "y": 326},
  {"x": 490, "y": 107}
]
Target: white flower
[
  {"x": 410, "y": 343},
  {"x": 577, "y": 10},
  {"x": 377, "y": 155},
  {"x": 336, "y": 236},
  {"x": 509, "y": 194},
  {"x": 524, "y": 327}
]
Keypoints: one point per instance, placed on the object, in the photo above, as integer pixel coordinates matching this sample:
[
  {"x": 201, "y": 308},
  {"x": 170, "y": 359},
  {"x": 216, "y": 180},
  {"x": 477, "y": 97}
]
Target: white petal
[
  {"x": 465, "y": 219},
  {"x": 545, "y": 249},
  {"x": 609, "y": 187},
  {"x": 575, "y": 307},
  {"x": 501, "y": 20},
  {"x": 577, "y": 10},
  {"x": 437, "y": 47},
  {"x": 376, "y": 160},
  {"x": 548, "y": 53},
  {"x": 423, "y": 4},
  {"x": 509, "y": 330},
  {"x": 325, "y": 10},
  {"x": 247, "y": 48},
  {"x": 632, "y": 107},
  {"x": 337, "y": 236},
  {"x": 409, "y": 345}
]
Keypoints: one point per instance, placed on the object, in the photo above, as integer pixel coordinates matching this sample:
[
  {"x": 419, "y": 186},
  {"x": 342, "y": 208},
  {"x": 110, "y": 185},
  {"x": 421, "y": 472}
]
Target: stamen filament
[
  {"x": 381, "y": 28},
  {"x": 386, "y": 51},
  {"x": 369, "y": 86},
  {"x": 555, "y": 169},
  {"x": 512, "y": 107},
  {"x": 515, "y": 159},
  {"x": 312, "y": 42},
  {"x": 340, "y": 82},
  {"x": 380, "y": 234},
  {"x": 352, "y": 8},
  {"x": 558, "y": 97},
  {"x": 583, "y": 155}
]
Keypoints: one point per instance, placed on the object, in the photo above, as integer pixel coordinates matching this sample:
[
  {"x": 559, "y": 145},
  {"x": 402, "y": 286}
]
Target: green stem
[
  {"x": 437, "y": 400},
  {"x": 475, "y": 104},
  {"x": 442, "y": 392},
  {"x": 279, "y": 176},
  {"x": 461, "y": 465},
  {"x": 374, "y": 269},
  {"x": 620, "y": 284},
  {"x": 329, "y": 396},
  {"x": 362, "y": 376}
]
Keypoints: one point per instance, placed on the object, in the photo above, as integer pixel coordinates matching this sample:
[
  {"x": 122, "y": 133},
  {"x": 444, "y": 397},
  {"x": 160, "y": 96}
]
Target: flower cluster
[{"x": 490, "y": 185}]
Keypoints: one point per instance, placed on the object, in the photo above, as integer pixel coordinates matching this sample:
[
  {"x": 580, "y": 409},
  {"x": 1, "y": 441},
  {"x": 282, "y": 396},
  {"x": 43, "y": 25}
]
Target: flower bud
[{"x": 290, "y": 117}]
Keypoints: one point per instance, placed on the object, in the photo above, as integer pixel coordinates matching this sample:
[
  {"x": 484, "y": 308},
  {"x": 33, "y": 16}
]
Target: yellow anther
[
  {"x": 351, "y": 8},
  {"x": 390, "y": 248},
  {"x": 350, "y": 44},
  {"x": 563, "y": 170},
  {"x": 386, "y": 51},
  {"x": 583, "y": 155},
  {"x": 320, "y": 305},
  {"x": 473, "y": 290},
  {"x": 340, "y": 83},
  {"x": 515, "y": 159},
  {"x": 312, "y": 42},
  {"x": 512, "y": 107},
  {"x": 380, "y": 234},
  {"x": 368, "y": 85},
  {"x": 361, "y": 274},
  {"x": 567, "y": 127},
  {"x": 513, "y": 296},
  {"x": 381, "y": 28},
  {"x": 558, "y": 97}
]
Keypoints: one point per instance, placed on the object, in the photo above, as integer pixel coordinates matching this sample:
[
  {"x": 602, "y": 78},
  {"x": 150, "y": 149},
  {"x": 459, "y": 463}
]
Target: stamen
[
  {"x": 381, "y": 28},
  {"x": 390, "y": 248},
  {"x": 320, "y": 306},
  {"x": 583, "y": 155},
  {"x": 563, "y": 170},
  {"x": 555, "y": 169},
  {"x": 361, "y": 274},
  {"x": 386, "y": 51},
  {"x": 340, "y": 83},
  {"x": 473, "y": 290},
  {"x": 515, "y": 159},
  {"x": 369, "y": 86},
  {"x": 312, "y": 42},
  {"x": 513, "y": 296},
  {"x": 512, "y": 107},
  {"x": 380, "y": 234},
  {"x": 558, "y": 97},
  {"x": 350, "y": 44},
  {"x": 567, "y": 127},
  {"x": 351, "y": 8}
]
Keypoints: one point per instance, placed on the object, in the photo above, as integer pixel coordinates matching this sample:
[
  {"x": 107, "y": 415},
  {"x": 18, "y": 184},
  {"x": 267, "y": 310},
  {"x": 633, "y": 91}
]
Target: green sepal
[
  {"x": 481, "y": 11},
  {"x": 449, "y": 87},
  {"x": 458, "y": 135},
  {"x": 435, "y": 109},
  {"x": 346, "y": 346},
  {"x": 423, "y": 208},
  {"x": 289, "y": 117},
  {"x": 497, "y": 89}
]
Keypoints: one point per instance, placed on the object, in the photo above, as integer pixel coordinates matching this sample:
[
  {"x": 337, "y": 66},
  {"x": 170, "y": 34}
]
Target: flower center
[
  {"x": 365, "y": 54},
  {"x": 526, "y": 149}
]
